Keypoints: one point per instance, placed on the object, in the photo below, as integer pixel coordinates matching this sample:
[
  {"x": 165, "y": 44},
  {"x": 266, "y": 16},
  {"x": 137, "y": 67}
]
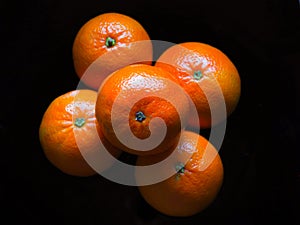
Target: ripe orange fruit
[
  {"x": 194, "y": 185},
  {"x": 114, "y": 40},
  {"x": 200, "y": 70},
  {"x": 69, "y": 123},
  {"x": 129, "y": 102}
]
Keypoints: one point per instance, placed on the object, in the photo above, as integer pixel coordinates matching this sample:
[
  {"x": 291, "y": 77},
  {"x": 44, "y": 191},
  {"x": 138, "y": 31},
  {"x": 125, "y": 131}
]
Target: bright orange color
[
  {"x": 194, "y": 185},
  {"x": 126, "y": 90},
  {"x": 69, "y": 122},
  {"x": 114, "y": 40},
  {"x": 197, "y": 64}
]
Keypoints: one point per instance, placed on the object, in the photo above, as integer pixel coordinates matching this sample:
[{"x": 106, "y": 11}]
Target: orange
[
  {"x": 194, "y": 185},
  {"x": 201, "y": 70},
  {"x": 140, "y": 94},
  {"x": 71, "y": 114},
  {"x": 108, "y": 42}
]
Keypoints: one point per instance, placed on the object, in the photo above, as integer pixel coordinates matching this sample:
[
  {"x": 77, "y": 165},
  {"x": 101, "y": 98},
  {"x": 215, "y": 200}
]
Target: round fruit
[
  {"x": 69, "y": 123},
  {"x": 202, "y": 70},
  {"x": 195, "y": 183},
  {"x": 141, "y": 109},
  {"x": 106, "y": 43}
]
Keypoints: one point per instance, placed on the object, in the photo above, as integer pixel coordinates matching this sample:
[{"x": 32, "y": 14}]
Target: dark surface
[{"x": 261, "y": 159}]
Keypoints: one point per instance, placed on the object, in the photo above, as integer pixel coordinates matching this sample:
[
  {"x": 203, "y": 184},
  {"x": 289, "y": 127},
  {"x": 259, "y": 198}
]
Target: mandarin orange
[
  {"x": 69, "y": 123},
  {"x": 195, "y": 183},
  {"x": 106, "y": 43},
  {"x": 134, "y": 100},
  {"x": 208, "y": 76}
]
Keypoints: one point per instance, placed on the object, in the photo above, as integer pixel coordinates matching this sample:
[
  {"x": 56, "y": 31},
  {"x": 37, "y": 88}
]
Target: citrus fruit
[
  {"x": 202, "y": 70},
  {"x": 141, "y": 109},
  {"x": 196, "y": 182},
  {"x": 69, "y": 123},
  {"x": 106, "y": 43}
]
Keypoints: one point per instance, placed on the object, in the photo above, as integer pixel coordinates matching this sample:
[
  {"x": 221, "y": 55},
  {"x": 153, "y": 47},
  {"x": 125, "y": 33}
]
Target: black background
[{"x": 259, "y": 151}]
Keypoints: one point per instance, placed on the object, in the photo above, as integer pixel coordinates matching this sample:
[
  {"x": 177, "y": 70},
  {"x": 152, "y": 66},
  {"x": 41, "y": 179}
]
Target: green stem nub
[
  {"x": 110, "y": 42},
  {"x": 140, "y": 116},
  {"x": 198, "y": 75},
  {"x": 179, "y": 168},
  {"x": 79, "y": 122}
]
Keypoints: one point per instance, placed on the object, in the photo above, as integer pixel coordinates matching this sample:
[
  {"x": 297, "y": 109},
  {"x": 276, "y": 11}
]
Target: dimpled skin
[
  {"x": 69, "y": 113},
  {"x": 131, "y": 44},
  {"x": 191, "y": 190},
  {"x": 125, "y": 89},
  {"x": 201, "y": 69}
]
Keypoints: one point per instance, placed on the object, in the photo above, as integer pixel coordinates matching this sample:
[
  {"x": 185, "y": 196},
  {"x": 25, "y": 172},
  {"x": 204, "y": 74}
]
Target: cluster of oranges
[{"x": 134, "y": 105}]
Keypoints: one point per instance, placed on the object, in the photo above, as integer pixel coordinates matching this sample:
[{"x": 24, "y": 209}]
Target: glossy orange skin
[
  {"x": 190, "y": 191},
  {"x": 132, "y": 45},
  {"x": 58, "y": 127},
  {"x": 216, "y": 69},
  {"x": 136, "y": 80}
]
